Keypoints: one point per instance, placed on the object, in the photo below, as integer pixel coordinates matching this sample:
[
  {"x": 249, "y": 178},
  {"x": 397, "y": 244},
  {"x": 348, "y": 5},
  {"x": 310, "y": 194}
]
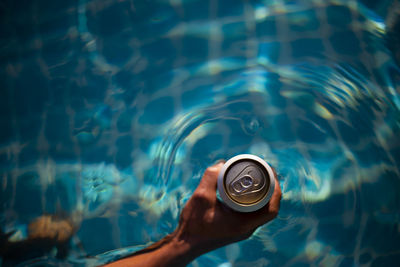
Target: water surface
[{"x": 112, "y": 110}]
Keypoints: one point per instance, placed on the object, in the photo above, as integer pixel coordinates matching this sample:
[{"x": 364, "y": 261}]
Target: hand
[{"x": 206, "y": 223}]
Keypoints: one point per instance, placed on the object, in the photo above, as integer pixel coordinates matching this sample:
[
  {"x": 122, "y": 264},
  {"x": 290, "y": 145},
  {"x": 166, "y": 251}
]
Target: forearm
[{"x": 169, "y": 251}]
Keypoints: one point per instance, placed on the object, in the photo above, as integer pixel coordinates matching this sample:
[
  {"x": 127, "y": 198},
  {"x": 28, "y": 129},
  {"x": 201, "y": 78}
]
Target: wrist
[
  {"x": 189, "y": 246},
  {"x": 182, "y": 249}
]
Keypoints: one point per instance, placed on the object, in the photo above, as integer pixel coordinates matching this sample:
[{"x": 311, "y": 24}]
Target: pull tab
[
  {"x": 248, "y": 181},
  {"x": 242, "y": 183}
]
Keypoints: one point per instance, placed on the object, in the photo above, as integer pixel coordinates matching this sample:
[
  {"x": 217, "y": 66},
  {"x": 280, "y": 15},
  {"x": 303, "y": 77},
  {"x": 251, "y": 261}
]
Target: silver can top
[{"x": 246, "y": 183}]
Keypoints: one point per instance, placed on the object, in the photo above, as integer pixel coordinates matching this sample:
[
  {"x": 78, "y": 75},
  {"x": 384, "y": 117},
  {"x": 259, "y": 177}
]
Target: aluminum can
[{"x": 246, "y": 183}]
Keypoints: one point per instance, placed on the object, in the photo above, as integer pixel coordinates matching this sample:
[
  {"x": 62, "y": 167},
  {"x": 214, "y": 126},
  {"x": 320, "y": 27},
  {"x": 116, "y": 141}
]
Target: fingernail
[{"x": 219, "y": 161}]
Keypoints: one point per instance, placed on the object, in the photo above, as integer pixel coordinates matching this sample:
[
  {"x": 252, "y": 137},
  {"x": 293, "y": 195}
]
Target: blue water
[{"x": 112, "y": 110}]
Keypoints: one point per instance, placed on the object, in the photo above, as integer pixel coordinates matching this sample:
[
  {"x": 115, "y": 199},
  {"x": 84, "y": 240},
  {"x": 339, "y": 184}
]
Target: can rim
[{"x": 239, "y": 206}]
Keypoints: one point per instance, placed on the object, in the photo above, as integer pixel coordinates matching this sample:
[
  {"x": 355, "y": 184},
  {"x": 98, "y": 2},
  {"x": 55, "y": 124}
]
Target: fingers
[
  {"x": 270, "y": 211},
  {"x": 210, "y": 177},
  {"x": 274, "y": 203}
]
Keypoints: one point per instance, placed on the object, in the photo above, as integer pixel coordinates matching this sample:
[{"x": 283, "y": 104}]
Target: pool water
[{"x": 112, "y": 110}]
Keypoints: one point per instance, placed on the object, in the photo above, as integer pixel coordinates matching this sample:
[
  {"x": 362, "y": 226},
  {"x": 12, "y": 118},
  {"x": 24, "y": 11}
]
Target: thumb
[{"x": 210, "y": 177}]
